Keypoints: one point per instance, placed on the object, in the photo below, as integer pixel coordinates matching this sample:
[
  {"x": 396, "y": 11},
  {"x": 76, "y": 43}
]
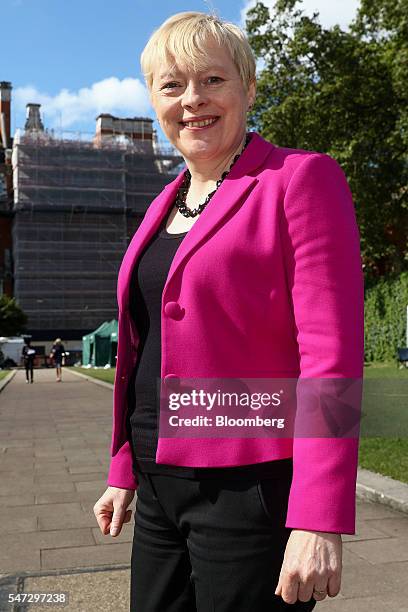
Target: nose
[{"x": 193, "y": 96}]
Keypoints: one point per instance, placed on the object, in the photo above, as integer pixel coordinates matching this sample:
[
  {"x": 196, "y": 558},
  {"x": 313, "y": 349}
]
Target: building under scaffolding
[
  {"x": 6, "y": 191},
  {"x": 77, "y": 203}
]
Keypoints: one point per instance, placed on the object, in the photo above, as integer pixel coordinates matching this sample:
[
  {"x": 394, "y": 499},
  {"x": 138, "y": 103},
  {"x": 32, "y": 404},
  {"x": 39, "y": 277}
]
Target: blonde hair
[{"x": 182, "y": 37}]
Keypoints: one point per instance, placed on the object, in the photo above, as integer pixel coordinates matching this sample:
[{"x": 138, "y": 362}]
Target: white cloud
[
  {"x": 331, "y": 12},
  {"x": 126, "y": 97}
]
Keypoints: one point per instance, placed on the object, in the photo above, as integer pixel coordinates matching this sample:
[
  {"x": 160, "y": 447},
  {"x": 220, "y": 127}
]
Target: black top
[
  {"x": 28, "y": 353},
  {"x": 147, "y": 282},
  {"x": 58, "y": 351}
]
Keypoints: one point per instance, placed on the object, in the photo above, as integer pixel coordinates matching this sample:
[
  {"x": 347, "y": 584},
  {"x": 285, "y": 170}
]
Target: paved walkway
[{"x": 54, "y": 454}]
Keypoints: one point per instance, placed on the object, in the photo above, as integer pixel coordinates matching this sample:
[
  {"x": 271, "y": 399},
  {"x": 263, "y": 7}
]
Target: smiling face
[{"x": 203, "y": 114}]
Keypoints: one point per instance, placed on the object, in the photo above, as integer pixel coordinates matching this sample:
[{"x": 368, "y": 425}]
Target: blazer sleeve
[
  {"x": 120, "y": 469},
  {"x": 324, "y": 272},
  {"x": 120, "y": 472}
]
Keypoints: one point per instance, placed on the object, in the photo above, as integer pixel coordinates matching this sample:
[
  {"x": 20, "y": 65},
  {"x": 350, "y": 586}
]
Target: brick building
[{"x": 77, "y": 202}]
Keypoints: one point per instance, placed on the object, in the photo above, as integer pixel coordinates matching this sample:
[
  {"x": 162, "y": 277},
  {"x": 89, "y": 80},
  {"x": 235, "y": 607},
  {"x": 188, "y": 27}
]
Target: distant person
[
  {"x": 28, "y": 354},
  {"x": 57, "y": 355}
]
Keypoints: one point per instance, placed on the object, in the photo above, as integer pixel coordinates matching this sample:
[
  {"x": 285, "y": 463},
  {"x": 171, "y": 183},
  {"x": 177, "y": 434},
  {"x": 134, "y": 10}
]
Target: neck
[{"x": 204, "y": 174}]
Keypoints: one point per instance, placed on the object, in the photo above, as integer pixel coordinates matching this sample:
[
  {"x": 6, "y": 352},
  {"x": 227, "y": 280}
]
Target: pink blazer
[{"x": 267, "y": 283}]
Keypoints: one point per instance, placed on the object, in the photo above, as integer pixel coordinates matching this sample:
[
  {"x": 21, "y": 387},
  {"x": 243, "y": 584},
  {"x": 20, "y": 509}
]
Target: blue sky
[{"x": 81, "y": 57}]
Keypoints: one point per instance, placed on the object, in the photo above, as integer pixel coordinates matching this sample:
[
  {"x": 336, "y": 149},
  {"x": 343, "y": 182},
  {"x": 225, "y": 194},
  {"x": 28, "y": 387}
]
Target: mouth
[{"x": 201, "y": 124}]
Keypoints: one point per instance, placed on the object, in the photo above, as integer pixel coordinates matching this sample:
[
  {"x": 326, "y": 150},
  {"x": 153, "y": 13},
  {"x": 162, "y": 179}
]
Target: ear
[{"x": 252, "y": 92}]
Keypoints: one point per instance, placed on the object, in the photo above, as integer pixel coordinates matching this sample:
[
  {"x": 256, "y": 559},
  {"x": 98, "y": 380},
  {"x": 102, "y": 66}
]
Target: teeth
[{"x": 201, "y": 123}]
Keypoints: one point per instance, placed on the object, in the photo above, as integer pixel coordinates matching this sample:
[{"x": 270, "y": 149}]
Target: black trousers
[
  {"x": 209, "y": 545},
  {"x": 29, "y": 369}
]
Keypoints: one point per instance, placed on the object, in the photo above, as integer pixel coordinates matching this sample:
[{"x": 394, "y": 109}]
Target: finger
[
  {"x": 320, "y": 587},
  {"x": 117, "y": 520},
  {"x": 305, "y": 591},
  {"x": 334, "y": 584},
  {"x": 105, "y": 522},
  {"x": 278, "y": 590},
  {"x": 103, "y": 518},
  {"x": 290, "y": 589},
  {"x": 128, "y": 516}
]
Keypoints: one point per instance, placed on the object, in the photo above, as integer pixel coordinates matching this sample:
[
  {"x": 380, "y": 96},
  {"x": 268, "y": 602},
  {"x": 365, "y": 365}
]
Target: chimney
[
  {"x": 110, "y": 128},
  {"x": 5, "y": 113},
  {"x": 33, "y": 118}
]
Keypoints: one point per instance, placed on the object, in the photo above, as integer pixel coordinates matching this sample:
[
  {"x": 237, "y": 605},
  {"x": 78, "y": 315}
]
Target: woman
[
  {"x": 247, "y": 265},
  {"x": 28, "y": 355},
  {"x": 57, "y": 355}
]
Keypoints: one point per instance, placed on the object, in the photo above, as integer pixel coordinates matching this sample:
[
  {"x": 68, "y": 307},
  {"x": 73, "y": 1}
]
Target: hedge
[{"x": 386, "y": 318}]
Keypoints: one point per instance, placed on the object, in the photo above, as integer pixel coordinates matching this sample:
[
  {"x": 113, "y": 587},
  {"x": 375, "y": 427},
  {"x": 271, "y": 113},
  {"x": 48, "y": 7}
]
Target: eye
[
  {"x": 169, "y": 85},
  {"x": 217, "y": 79}
]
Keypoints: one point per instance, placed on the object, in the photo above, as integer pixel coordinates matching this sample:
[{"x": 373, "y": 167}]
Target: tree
[
  {"x": 12, "y": 318},
  {"x": 343, "y": 93}
]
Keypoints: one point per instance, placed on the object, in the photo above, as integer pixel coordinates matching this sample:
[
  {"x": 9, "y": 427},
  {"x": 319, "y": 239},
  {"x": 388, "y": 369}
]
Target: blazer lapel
[
  {"x": 228, "y": 194},
  {"x": 233, "y": 188}
]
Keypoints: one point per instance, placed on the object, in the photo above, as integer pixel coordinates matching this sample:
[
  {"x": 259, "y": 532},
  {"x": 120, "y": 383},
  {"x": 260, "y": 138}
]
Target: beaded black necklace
[{"x": 184, "y": 187}]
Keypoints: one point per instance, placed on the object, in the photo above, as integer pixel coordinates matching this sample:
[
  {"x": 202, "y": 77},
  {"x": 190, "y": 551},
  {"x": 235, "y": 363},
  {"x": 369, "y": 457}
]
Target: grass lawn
[
  {"x": 385, "y": 370},
  {"x": 107, "y": 375},
  {"x": 3, "y": 373},
  {"x": 387, "y": 456},
  {"x": 384, "y": 423}
]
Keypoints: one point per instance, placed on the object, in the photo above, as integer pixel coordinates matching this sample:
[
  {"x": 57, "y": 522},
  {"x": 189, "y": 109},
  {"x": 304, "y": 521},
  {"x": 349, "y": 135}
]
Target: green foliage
[
  {"x": 385, "y": 456},
  {"x": 107, "y": 375},
  {"x": 12, "y": 318},
  {"x": 386, "y": 318},
  {"x": 345, "y": 94}
]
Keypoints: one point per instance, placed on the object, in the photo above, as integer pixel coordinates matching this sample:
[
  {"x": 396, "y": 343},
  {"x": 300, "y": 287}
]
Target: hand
[
  {"x": 111, "y": 510},
  {"x": 313, "y": 560}
]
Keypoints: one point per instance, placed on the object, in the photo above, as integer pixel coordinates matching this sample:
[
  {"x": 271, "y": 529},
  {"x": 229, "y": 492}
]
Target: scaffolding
[{"x": 77, "y": 203}]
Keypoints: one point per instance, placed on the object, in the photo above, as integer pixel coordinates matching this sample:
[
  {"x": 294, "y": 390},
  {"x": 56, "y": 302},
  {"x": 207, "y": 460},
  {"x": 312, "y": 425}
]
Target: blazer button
[
  {"x": 173, "y": 310},
  {"x": 172, "y": 381}
]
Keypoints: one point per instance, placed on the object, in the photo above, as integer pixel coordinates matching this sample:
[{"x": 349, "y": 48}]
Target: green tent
[{"x": 99, "y": 347}]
